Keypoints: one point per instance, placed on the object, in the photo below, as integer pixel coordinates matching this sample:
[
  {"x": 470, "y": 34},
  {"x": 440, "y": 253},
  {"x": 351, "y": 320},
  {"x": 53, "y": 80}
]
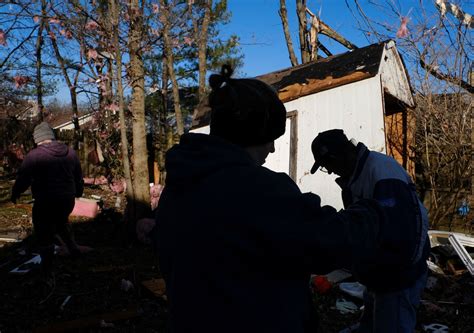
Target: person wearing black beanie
[{"x": 237, "y": 242}]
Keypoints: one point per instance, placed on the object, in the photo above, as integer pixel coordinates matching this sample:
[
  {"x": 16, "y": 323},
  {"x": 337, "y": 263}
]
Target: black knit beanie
[
  {"x": 246, "y": 112},
  {"x": 43, "y": 132}
]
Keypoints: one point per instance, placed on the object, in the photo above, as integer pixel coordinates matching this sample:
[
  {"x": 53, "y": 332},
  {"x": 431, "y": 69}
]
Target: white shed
[{"x": 366, "y": 92}]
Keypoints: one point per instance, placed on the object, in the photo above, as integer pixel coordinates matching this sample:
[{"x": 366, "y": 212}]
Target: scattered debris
[
  {"x": 104, "y": 324},
  {"x": 86, "y": 208},
  {"x": 438, "y": 237},
  {"x": 455, "y": 267},
  {"x": 156, "y": 286},
  {"x": 96, "y": 197},
  {"x": 27, "y": 265},
  {"x": 338, "y": 276},
  {"x": 451, "y": 252},
  {"x": 459, "y": 247},
  {"x": 9, "y": 240},
  {"x": 434, "y": 268},
  {"x": 118, "y": 202},
  {"x": 11, "y": 237},
  {"x": 344, "y": 306},
  {"x": 431, "y": 282},
  {"x": 353, "y": 288},
  {"x": 436, "y": 328},
  {"x": 95, "y": 181},
  {"x": 64, "y": 303},
  {"x": 320, "y": 284},
  {"x": 126, "y": 285}
]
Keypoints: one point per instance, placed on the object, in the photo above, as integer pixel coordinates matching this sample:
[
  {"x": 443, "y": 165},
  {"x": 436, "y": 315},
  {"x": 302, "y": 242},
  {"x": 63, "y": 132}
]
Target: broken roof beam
[{"x": 329, "y": 32}]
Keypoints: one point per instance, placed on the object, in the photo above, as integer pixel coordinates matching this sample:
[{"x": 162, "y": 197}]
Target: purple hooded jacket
[{"x": 52, "y": 170}]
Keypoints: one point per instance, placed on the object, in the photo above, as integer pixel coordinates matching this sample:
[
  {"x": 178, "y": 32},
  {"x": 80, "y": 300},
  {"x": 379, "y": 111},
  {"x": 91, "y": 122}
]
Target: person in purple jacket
[{"x": 53, "y": 171}]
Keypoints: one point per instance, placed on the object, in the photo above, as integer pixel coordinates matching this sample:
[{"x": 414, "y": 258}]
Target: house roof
[
  {"x": 322, "y": 74},
  {"x": 58, "y": 120}
]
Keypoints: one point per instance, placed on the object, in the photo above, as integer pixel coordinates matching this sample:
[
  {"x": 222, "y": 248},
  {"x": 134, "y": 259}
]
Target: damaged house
[{"x": 366, "y": 92}]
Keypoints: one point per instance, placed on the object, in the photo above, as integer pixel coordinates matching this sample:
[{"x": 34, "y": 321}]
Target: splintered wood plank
[
  {"x": 156, "y": 286},
  {"x": 88, "y": 322}
]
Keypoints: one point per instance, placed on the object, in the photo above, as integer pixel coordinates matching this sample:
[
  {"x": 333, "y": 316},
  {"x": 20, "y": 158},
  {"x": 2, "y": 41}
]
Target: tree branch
[
  {"x": 445, "y": 77},
  {"x": 289, "y": 43}
]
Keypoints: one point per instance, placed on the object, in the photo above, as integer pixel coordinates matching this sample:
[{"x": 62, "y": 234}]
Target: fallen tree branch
[{"x": 328, "y": 31}]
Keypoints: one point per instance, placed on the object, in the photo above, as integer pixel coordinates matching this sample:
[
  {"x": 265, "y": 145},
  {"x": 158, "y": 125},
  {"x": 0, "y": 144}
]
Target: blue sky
[{"x": 263, "y": 44}]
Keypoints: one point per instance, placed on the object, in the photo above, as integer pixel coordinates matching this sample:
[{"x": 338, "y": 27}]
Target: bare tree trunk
[
  {"x": 169, "y": 55},
  {"x": 163, "y": 120},
  {"x": 106, "y": 64},
  {"x": 39, "y": 62},
  {"x": 114, "y": 14},
  {"x": 137, "y": 78},
  {"x": 303, "y": 30},
  {"x": 201, "y": 34},
  {"x": 289, "y": 43}
]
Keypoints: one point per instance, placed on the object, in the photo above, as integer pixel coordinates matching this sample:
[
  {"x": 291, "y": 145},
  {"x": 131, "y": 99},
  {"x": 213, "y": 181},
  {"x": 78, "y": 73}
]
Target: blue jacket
[
  {"x": 237, "y": 242},
  {"x": 405, "y": 246}
]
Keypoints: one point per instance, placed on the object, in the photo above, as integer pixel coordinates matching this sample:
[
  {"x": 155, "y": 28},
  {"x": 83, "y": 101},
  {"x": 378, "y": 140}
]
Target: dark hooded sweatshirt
[
  {"x": 52, "y": 170},
  {"x": 237, "y": 242}
]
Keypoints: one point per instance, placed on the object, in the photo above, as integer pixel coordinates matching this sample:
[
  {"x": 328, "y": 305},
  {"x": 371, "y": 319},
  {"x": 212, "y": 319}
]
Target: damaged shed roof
[
  {"x": 326, "y": 73},
  {"x": 322, "y": 74}
]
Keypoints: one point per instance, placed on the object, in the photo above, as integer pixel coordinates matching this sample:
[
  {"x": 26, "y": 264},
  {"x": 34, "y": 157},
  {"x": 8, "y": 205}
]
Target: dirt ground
[{"x": 99, "y": 303}]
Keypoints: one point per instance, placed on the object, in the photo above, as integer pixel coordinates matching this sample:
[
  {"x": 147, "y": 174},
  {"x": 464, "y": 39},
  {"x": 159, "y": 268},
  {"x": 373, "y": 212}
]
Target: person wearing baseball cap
[
  {"x": 334, "y": 152},
  {"x": 396, "y": 275}
]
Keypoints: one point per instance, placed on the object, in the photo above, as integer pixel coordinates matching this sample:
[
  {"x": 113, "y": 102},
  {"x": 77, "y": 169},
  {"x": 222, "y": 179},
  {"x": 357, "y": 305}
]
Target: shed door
[{"x": 284, "y": 157}]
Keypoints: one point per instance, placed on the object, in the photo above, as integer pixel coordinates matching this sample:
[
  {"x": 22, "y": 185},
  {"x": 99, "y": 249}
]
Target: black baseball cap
[{"x": 327, "y": 143}]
